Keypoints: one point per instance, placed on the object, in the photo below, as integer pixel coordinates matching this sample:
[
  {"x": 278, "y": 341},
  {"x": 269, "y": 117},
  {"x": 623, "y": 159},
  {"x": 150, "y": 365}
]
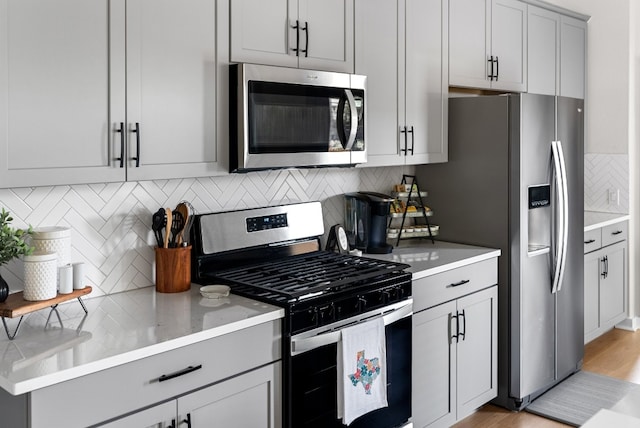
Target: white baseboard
[{"x": 630, "y": 324}]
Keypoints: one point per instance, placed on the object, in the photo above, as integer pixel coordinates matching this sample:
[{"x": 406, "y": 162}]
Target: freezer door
[{"x": 533, "y": 249}]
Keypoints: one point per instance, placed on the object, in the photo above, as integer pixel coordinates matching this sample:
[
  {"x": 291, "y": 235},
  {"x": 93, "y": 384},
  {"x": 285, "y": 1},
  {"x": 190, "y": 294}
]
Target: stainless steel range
[{"x": 274, "y": 255}]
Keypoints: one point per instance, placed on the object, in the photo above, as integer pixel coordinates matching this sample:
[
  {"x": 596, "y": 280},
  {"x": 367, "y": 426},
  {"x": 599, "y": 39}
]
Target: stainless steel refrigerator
[{"x": 514, "y": 181}]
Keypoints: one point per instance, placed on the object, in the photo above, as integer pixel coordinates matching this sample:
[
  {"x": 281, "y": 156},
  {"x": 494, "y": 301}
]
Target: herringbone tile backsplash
[
  {"x": 111, "y": 223},
  {"x": 604, "y": 172}
]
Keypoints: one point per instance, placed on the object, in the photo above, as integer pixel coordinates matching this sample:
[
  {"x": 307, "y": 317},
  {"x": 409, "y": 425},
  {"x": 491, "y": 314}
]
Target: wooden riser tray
[{"x": 15, "y": 306}]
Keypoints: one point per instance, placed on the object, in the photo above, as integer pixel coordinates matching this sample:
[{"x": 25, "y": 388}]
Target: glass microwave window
[{"x": 288, "y": 118}]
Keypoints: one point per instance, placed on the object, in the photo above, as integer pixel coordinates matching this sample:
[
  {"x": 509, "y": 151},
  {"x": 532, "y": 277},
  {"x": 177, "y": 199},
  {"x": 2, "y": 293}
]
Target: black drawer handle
[
  {"x": 179, "y": 373},
  {"x": 617, "y": 232},
  {"x": 590, "y": 241},
  {"x": 458, "y": 284}
]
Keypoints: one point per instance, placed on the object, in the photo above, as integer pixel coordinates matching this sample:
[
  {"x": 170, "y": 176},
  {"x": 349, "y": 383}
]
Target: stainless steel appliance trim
[
  {"x": 354, "y": 119},
  {"x": 329, "y": 334},
  {"x": 227, "y": 231}
]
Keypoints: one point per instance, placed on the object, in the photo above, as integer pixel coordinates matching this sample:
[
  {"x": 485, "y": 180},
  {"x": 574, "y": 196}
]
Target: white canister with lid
[
  {"x": 54, "y": 239},
  {"x": 40, "y": 273}
]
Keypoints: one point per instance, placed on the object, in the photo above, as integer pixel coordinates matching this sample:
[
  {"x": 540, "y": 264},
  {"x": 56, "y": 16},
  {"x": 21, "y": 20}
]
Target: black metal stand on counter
[{"x": 414, "y": 191}]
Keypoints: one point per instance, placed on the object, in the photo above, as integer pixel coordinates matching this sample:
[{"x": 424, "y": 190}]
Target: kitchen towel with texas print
[{"x": 361, "y": 370}]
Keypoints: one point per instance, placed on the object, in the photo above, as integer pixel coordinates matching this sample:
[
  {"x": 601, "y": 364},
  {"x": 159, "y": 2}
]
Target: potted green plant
[{"x": 12, "y": 245}]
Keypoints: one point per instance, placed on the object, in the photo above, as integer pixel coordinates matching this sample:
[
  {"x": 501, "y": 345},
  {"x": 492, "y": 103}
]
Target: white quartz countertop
[
  {"x": 118, "y": 329},
  {"x": 594, "y": 220},
  {"x": 428, "y": 259}
]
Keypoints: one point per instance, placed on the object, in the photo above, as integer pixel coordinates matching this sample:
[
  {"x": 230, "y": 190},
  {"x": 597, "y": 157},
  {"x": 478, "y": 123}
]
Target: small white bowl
[{"x": 214, "y": 291}]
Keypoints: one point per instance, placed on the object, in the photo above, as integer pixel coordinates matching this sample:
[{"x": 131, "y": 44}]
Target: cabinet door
[
  {"x": 508, "y": 44},
  {"x": 262, "y": 31},
  {"x": 433, "y": 367},
  {"x": 573, "y": 54},
  {"x": 171, "y": 89},
  {"x": 379, "y": 25},
  {"x": 328, "y": 38},
  {"x": 543, "y": 53},
  {"x": 477, "y": 359},
  {"x": 249, "y": 400},
  {"x": 425, "y": 90},
  {"x": 160, "y": 416},
  {"x": 59, "y": 64},
  {"x": 591, "y": 295},
  {"x": 469, "y": 43},
  {"x": 612, "y": 286}
]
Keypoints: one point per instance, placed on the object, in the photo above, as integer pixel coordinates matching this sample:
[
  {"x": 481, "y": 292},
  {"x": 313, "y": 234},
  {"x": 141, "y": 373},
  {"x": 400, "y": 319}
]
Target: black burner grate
[{"x": 304, "y": 274}]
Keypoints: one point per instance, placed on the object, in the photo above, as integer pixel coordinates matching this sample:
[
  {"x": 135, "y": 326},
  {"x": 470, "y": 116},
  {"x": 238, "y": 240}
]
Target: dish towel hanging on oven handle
[{"x": 361, "y": 370}]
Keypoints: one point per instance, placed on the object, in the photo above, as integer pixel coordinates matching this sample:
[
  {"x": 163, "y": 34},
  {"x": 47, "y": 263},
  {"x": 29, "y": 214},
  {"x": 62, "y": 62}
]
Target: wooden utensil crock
[{"x": 173, "y": 269}]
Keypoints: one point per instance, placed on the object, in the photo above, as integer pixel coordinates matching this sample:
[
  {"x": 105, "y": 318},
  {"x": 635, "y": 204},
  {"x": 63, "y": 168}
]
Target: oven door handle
[{"x": 300, "y": 345}]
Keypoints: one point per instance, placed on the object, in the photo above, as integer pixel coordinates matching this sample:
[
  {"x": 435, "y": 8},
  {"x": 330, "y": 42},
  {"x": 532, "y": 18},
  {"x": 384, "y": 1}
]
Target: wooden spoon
[
  {"x": 184, "y": 211},
  {"x": 167, "y": 228}
]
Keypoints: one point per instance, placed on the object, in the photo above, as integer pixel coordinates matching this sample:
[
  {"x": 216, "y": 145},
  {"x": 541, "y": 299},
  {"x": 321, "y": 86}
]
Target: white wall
[{"x": 607, "y": 73}]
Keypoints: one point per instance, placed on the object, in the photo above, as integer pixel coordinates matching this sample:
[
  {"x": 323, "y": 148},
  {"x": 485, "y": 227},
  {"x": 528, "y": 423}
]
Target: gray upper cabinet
[
  {"x": 487, "y": 44},
  {"x": 106, "y": 91},
  {"x": 543, "y": 51},
  {"x": 310, "y": 34},
  {"x": 59, "y": 63},
  {"x": 556, "y": 54},
  {"x": 573, "y": 57},
  {"x": 401, "y": 47}
]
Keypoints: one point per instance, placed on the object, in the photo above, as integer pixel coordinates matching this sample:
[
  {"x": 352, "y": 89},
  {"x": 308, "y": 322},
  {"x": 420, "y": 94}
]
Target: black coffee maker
[{"x": 366, "y": 215}]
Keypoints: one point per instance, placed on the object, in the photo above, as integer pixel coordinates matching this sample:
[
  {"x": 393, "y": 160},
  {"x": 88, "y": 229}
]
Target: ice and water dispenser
[{"x": 539, "y": 218}]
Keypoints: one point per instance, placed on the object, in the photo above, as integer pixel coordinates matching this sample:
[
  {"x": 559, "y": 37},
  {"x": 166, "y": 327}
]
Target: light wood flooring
[{"x": 615, "y": 354}]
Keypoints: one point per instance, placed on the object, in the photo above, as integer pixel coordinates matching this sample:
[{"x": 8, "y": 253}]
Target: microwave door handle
[{"x": 354, "y": 119}]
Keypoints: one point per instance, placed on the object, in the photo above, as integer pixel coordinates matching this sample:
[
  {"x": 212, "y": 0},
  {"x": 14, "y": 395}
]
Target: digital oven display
[{"x": 256, "y": 224}]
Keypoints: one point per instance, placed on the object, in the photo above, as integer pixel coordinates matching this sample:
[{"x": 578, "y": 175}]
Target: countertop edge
[
  {"x": 138, "y": 354},
  {"x": 490, "y": 254},
  {"x": 616, "y": 218}
]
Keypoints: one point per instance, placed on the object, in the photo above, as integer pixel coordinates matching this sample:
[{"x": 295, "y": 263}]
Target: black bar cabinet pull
[
  {"x": 410, "y": 131},
  {"x": 179, "y": 373},
  {"x": 306, "y": 42},
  {"x": 187, "y": 421},
  {"x": 137, "y": 132},
  {"x": 497, "y": 68},
  {"x": 297, "y": 28},
  {"x": 605, "y": 267},
  {"x": 173, "y": 424},
  {"x": 590, "y": 241},
  {"x": 454, "y": 336},
  {"x": 490, "y": 61},
  {"x": 458, "y": 284},
  {"x": 403, "y": 130},
  {"x": 464, "y": 324},
  {"x": 121, "y": 131},
  {"x": 617, "y": 232}
]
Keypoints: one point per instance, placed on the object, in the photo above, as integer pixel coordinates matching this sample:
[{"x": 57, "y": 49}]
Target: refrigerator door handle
[
  {"x": 559, "y": 218},
  {"x": 565, "y": 218}
]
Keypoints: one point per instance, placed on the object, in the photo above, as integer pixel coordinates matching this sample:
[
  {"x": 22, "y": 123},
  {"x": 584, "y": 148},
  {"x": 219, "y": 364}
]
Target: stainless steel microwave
[{"x": 285, "y": 117}]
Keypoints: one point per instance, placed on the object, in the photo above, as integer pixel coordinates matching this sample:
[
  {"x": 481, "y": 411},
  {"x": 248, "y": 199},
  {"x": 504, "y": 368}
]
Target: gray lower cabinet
[
  {"x": 212, "y": 382},
  {"x": 454, "y": 344},
  {"x": 605, "y": 279},
  {"x": 221, "y": 405}
]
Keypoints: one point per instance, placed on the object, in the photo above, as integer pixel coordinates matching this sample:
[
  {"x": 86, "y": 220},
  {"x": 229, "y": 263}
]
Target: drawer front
[
  {"x": 615, "y": 233},
  {"x": 442, "y": 287},
  {"x": 592, "y": 240},
  {"x": 109, "y": 393}
]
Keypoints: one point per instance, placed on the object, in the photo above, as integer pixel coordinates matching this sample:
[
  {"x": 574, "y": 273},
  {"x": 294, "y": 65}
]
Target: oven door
[{"x": 313, "y": 370}]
